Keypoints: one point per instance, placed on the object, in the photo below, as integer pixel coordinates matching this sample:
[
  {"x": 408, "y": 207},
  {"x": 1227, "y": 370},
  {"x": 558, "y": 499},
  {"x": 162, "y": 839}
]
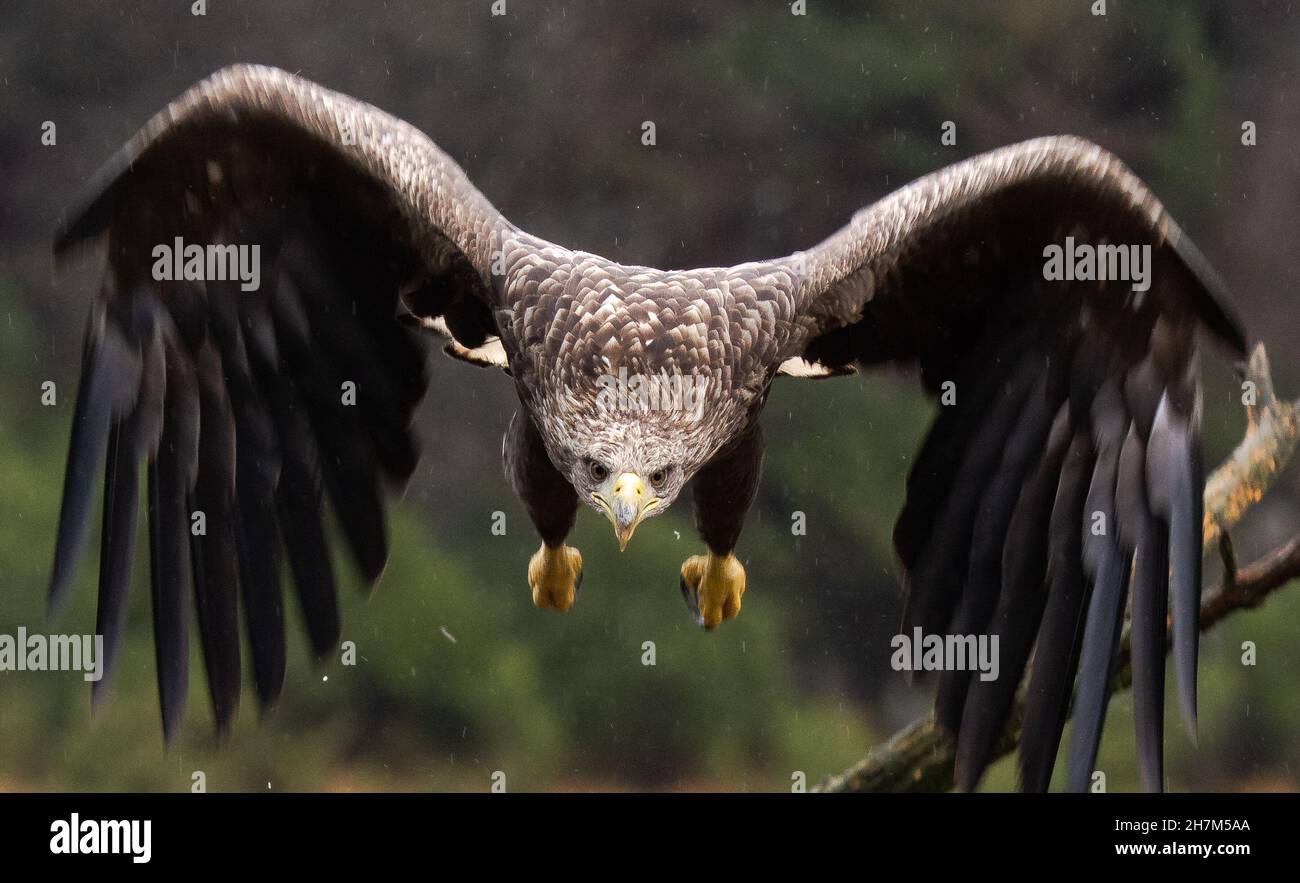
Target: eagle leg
[
  {"x": 555, "y": 576},
  {"x": 713, "y": 584},
  {"x": 555, "y": 570}
]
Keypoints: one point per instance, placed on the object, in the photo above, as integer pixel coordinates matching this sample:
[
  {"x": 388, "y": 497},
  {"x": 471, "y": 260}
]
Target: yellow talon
[
  {"x": 713, "y": 586},
  {"x": 554, "y": 575}
]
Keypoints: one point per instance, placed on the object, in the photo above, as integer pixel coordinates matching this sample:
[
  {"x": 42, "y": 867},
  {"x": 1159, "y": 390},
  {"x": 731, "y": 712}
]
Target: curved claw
[{"x": 691, "y": 595}]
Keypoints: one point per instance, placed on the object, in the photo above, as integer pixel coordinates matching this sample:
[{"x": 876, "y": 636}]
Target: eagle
[{"x": 1057, "y": 493}]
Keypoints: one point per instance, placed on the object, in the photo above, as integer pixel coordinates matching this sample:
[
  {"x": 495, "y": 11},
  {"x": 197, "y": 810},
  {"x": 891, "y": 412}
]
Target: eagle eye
[
  {"x": 658, "y": 477},
  {"x": 597, "y": 471}
]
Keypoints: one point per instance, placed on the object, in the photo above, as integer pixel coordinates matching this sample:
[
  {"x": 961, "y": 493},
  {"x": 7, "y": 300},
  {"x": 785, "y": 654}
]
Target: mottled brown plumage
[{"x": 1067, "y": 400}]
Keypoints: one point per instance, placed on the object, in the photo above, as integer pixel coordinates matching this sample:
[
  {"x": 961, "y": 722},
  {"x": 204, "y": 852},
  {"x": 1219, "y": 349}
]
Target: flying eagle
[{"x": 1063, "y": 464}]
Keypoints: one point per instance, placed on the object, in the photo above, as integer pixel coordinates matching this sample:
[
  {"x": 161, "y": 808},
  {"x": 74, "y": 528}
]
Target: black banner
[{"x": 240, "y": 831}]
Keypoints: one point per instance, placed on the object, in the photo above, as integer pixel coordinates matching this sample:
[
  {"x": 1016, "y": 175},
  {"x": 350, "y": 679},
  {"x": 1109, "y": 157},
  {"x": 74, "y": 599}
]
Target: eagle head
[{"x": 629, "y": 442}]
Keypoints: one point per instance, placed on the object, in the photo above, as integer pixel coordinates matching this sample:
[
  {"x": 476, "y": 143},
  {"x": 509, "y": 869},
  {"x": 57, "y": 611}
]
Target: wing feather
[
  {"x": 212, "y": 549},
  {"x": 1107, "y": 570},
  {"x": 171, "y": 476}
]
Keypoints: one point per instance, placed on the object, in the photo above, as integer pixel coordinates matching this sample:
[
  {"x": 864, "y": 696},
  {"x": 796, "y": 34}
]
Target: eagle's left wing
[
  {"x": 1066, "y": 452},
  {"x": 253, "y": 399}
]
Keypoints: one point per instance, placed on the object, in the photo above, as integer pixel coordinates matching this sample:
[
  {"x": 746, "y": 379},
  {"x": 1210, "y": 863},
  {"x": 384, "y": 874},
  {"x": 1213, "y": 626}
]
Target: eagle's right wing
[
  {"x": 250, "y": 403},
  {"x": 1067, "y": 451}
]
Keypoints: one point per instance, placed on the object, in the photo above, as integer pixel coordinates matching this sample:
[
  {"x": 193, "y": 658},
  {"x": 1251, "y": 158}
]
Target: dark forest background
[{"x": 772, "y": 130}]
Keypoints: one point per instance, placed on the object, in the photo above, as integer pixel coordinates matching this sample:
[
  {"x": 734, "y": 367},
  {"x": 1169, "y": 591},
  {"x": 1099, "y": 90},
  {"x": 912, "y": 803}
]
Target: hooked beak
[{"x": 628, "y": 503}]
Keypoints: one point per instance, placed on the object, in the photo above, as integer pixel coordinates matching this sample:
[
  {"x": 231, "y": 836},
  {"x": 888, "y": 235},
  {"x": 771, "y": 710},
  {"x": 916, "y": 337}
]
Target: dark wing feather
[
  {"x": 1067, "y": 392},
  {"x": 110, "y": 379},
  {"x": 984, "y": 579},
  {"x": 1174, "y": 486},
  {"x": 1019, "y": 609},
  {"x": 1107, "y": 570},
  {"x": 1058, "y": 634},
  {"x": 212, "y": 551},
  {"x": 235, "y": 398},
  {"x": 171, "y": 476},
  {"x": 1143, "y": 541},
  {"x": 131, "y": 438}
]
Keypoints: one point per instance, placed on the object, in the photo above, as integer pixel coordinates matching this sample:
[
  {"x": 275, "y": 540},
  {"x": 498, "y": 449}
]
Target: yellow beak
[{"x": 628, "y": 504}]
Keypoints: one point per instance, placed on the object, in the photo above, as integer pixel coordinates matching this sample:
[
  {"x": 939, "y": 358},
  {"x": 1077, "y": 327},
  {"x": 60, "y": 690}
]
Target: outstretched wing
[
  {"x": 1065, "y": 463},
  {"x": 264, "y": 235}
]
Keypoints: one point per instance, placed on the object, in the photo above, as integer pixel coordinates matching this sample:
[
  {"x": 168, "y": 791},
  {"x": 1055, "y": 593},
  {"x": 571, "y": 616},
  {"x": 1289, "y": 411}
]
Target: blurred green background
[{"x": 772, "y": 129}]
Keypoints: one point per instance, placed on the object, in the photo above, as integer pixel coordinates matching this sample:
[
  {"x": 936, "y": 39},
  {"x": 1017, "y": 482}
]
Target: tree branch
[{"x": 920, "y": 756}]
